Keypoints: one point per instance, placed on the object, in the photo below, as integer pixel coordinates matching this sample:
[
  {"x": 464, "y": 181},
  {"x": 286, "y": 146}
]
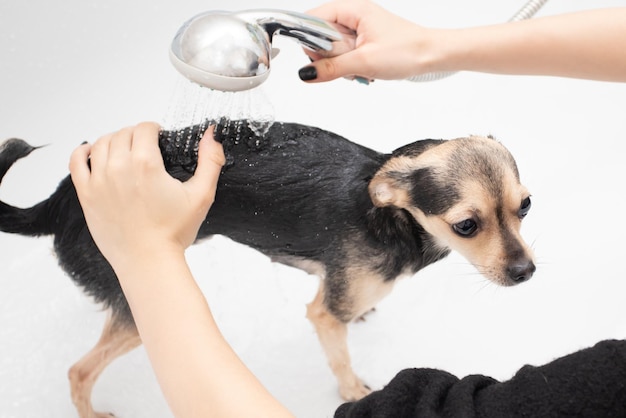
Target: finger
[
  {"x": 327, "y": 69},
  {"x": 99, "y": 155},
  {"x": 79, "y": 168},
  {"x": 145, "y": 144},
  {"x": 120, "y": 145},
  {"x": 210, "y": 162}
]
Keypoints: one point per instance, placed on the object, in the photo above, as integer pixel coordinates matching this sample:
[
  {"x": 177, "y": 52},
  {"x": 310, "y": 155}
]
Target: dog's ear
[
  {"x": 416, "y": 148},
  {"x": 387, "y": 191},
  {"x": 394, "y": 183}
]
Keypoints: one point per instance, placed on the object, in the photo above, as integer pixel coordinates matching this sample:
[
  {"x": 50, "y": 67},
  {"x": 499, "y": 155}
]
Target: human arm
[
  {"x": 587, "y": 44},
  {"x": 142, "y": 221}
]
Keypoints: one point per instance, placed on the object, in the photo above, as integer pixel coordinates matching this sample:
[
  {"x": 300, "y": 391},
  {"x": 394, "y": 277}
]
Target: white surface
[{"x": 73, "y": 71}]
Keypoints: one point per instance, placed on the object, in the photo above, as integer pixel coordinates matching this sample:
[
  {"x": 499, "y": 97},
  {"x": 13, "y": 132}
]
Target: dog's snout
[{"x": 521, "y": 271}]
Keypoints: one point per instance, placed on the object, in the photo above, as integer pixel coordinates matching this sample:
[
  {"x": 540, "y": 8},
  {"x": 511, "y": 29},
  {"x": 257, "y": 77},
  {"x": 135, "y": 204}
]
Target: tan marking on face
[
  {"x": 487, "y": 250},
  {"x": 386, "y": 190},
  {"x": 470, "y": 165}
]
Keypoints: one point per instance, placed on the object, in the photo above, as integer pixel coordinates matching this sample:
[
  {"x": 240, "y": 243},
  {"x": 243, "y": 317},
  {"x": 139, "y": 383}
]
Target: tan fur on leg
[
  {"x": 116, "y": 339},
  {"x": 332, "y": 335}
]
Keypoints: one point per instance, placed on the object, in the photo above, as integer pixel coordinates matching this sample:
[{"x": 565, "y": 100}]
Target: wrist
[
  {"x": 437, "y": 52},
  {"x": 139, "y": 260},
  {"x": 426, "y": 52}
]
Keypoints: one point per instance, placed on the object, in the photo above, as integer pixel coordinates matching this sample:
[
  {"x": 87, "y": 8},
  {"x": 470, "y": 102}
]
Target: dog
[{"x": 357, "y": 218}]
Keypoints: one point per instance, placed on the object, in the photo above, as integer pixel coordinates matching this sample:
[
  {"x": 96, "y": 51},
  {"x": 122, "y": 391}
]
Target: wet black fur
[{"x": 298, "y": 191}]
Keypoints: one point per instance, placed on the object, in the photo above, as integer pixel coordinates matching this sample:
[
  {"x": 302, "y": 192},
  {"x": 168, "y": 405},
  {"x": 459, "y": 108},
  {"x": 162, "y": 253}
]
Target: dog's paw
[{"x": 354, "y": 391}]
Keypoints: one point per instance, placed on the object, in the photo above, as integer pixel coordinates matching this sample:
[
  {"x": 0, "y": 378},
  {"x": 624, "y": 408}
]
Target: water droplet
[{"x": 192, "y": 104}]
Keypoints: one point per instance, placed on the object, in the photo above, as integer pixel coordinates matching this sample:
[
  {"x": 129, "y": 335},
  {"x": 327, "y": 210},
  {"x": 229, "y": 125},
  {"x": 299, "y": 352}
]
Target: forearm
[
  {"x": 588, "y": 44},
  {"x": 199, "y": 373}
]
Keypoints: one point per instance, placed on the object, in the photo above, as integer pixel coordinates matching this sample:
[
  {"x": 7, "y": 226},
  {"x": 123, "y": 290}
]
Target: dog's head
[{"x": 466, "y": 193}]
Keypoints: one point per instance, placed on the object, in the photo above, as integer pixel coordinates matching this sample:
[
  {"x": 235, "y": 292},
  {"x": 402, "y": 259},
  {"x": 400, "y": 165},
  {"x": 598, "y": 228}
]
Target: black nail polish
[{"x": 307, "y": 73}]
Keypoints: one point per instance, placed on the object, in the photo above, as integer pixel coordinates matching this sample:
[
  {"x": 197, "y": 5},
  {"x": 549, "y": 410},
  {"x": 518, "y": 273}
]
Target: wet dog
[{"x": 357, "y": 218}]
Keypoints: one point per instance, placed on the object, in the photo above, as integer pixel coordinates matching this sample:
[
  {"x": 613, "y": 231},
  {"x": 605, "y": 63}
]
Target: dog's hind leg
[
  {"x": 333, "y": 334},
  {"x": 118, "y": 337}
]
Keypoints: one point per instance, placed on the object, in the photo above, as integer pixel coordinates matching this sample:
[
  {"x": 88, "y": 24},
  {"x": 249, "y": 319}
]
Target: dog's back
[{"x": 295, "y": 194}]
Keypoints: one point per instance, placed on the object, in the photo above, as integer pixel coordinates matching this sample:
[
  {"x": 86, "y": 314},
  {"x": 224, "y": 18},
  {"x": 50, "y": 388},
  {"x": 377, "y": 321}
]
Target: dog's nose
[{"x": 521, "y": 271}]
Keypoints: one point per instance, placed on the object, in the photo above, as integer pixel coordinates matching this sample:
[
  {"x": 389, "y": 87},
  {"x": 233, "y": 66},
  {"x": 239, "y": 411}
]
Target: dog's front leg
[{"x": 332, "y": 334}]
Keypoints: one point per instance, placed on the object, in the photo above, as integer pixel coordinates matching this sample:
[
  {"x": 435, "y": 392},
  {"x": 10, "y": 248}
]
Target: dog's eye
[
  {"x": 524, "y": 208},
  {"x": 465, "y": 228}
]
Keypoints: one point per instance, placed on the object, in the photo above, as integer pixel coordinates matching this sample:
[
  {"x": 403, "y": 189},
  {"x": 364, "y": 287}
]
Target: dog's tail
[{"x": 31, "y": 221}]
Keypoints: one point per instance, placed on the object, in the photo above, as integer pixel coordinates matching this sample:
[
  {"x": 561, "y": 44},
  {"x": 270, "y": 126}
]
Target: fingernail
[
  {"x": 307, "y": 73},
  {"x": 84, "y": 142},
  {"x": 362, "y": 80}
]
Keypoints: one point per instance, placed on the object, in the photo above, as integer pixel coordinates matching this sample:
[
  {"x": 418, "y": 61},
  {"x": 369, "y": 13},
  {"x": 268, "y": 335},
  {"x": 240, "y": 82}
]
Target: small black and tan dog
[{"x": 311, "y": 199}]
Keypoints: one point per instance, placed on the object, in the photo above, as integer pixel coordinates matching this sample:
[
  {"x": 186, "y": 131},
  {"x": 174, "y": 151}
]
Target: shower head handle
[
  {"x": 231, "y": 51},
  {"x": 325, "y": 38}
]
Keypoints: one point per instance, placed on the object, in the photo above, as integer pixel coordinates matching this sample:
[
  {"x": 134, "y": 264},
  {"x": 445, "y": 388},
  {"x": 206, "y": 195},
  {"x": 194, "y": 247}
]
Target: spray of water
[
  {"x": 192, "y": 104},
  {"x": 244, "y": 116}
]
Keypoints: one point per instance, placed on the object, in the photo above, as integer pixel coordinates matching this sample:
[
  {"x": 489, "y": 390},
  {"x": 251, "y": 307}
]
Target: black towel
[{"x": 587, "y": 383}]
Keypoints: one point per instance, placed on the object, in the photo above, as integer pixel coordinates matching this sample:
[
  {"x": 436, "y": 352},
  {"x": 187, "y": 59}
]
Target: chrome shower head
[{"x": 231, "y": 51}]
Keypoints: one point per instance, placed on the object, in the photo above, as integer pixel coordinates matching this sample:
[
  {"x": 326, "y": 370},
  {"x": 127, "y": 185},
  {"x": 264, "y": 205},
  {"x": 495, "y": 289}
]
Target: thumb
[
  {"x": 326, "y": 69},
  {"x": 210, "y": 162}
]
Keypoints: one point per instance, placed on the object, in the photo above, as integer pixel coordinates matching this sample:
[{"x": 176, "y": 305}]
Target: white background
[{"x": 73, "y": 70}]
